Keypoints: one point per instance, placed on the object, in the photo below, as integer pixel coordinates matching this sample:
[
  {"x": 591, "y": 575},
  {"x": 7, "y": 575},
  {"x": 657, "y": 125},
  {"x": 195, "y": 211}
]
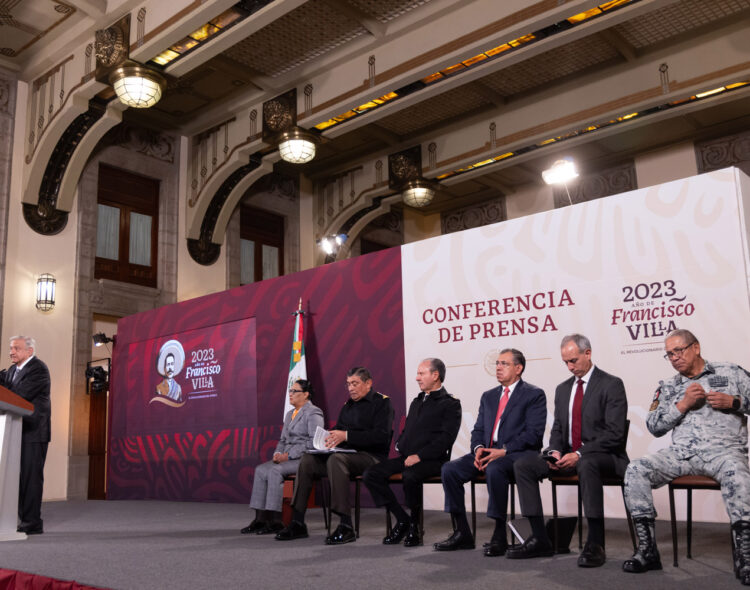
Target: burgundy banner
[
  {"x": 194, "y": 380},
  {"x": 353, "y": 316}
]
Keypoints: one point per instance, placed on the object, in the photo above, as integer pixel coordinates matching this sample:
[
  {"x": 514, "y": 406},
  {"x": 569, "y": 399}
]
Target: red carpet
[{"x": 13, "y": 580}]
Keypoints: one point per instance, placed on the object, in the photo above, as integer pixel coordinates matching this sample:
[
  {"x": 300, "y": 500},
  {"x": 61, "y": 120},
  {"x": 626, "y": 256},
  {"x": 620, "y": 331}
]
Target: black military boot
[
  {"x": 741, "y": 536},
  {"x": 646, "y": 556}
]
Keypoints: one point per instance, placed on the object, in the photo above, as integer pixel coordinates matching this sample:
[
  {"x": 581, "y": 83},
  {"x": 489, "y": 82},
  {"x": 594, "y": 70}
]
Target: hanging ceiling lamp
[
  {"x": 137, "y": 86},
  {"x": 297, "y": 145},
  {"x": 418, "y": 193}
]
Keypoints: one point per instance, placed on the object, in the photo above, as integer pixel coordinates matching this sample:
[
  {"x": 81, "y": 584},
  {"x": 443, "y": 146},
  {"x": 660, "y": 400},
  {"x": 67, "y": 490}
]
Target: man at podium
[{"x": 29, "y": 378}]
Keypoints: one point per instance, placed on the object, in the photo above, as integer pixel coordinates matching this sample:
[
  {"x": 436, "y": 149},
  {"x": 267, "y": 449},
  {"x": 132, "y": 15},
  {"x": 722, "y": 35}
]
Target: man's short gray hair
[
  {"x": 28, "y": 340},
  {"x": 687, "y": 336},
  {"x": 580, "y": 341}
]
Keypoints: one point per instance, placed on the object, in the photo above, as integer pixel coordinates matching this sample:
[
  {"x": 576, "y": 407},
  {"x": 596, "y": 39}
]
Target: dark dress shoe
[
  {"x": 495, "y": 548},
  {"x": 342, "y": 534},
  {"x": 593, "y": 555},
  {"x": 398, "y": 532},
  {"x": 271, "y": 527},
  {"x": 254, "y": 527},
  {"x": 458, "y": 540},
  {"x": 532, "y": 547},
  {"x": 295, "y": 530},
  {"x": 413, "y": 537},
  {"x": 34, "y": 531}
]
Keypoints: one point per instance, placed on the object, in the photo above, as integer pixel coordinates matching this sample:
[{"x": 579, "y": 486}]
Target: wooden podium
[{"x": 12, "y": 410}]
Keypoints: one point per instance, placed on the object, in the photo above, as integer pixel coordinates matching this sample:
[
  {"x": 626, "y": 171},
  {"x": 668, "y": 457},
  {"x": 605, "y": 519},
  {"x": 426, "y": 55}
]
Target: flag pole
[{"x": 297, "y": 363}]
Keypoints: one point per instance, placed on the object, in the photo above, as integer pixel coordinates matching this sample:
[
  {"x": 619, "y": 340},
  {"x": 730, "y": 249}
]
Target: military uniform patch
[
  {"x": 655, "y": 401},
  {"x": 717, "y": 381}
]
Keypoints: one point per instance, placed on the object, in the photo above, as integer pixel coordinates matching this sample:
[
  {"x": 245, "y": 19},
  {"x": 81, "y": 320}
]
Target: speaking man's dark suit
[
  {"x": 520, "y": 432},
  {"x": 602, "y": 453},
  {"x": 33, "y": 384},
  {"x": 431, "y": 428}
]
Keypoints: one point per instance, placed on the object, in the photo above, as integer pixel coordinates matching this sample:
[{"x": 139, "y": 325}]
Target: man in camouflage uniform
[{"x": 704, "y": 406}]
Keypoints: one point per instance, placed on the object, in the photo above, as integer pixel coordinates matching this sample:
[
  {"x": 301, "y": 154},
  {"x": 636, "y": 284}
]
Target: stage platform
[{"x": 164, "y": 545}]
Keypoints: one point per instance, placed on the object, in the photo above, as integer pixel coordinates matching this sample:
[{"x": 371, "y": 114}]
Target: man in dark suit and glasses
[
  {"x": 424, "y": 445},
  {"x": 587, "y": 438},
  {"x": 510, "y": 425},
  {"x": 29, "y": 378}
]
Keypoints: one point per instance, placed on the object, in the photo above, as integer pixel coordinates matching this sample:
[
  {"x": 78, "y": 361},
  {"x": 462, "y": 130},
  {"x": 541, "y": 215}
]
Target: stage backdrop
[
  {"x": 198, "y": 433},
  {"x": 197, "y": 387},
  {"x": 624, "y": 271}
]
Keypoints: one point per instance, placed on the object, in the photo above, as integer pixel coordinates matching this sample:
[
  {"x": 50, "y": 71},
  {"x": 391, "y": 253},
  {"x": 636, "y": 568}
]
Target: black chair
[
  {"x": 689, "y": 483},
  {"x": 572, "y": 480}
]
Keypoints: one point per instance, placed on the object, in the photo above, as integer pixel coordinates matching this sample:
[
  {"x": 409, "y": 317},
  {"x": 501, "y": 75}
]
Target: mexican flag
[{"x": 297, "y": 365}]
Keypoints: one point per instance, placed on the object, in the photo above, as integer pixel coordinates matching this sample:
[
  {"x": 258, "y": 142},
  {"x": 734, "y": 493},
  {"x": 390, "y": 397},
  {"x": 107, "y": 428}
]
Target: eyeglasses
[
  {"x": 676, "y": 352},
  {"x": 296, "y": 391},
  {"x": 505, "y": 364}
]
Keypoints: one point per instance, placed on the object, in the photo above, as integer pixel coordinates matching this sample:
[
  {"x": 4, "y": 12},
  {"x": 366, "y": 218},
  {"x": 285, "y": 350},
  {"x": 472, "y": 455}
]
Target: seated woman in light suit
[{"x": 297, "y": 434}]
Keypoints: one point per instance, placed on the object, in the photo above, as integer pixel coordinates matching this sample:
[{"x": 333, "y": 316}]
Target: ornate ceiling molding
[
  {"x": 203, "y": 250},
  {"x": 44, "y": 217}
]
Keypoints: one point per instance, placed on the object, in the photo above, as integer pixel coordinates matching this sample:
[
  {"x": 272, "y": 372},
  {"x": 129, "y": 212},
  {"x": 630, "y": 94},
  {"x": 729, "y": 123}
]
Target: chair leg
[
  {"x": 325, "y": 497},
  {"x": 674, "y": 525},
  {"x": 473, "y": 512},
  {"x": 357, "y": 494},
  {"x": 690, "y": 523},
  {"x": 630, "y": 520},
  {"x": 554, "y": 515},
  {"x": 512, "y": 512},
  {"x": 421, "y": 515},
  {"x": 580, "y": 517}
]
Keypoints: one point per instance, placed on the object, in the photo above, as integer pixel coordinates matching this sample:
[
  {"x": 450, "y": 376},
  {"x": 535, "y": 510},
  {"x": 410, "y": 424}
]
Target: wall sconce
[
  {"x": 331, "y": 244},
  {"x": 137, "y": 86},
  {"x": 297, "y": 145},
  {"x": 561, "y": 172},
  {"x": 418, "y": 193},
  {"x": 45, "y": 292}
]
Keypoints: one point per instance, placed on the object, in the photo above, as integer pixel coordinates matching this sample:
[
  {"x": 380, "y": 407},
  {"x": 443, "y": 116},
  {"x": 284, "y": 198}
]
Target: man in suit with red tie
[
  {"x": 510, "y": 425},
  {"x": 29, "y": 378},
  {"x": 587, "y": 438}
]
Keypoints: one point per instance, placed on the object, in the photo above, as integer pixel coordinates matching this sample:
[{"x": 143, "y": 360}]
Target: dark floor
[{"x": 164, "y": 545}]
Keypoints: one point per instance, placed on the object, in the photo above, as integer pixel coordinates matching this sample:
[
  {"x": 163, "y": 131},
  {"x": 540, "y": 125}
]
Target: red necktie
[
  {"x": 575, "y": 426},
  {"x": 500, "y": 408}
]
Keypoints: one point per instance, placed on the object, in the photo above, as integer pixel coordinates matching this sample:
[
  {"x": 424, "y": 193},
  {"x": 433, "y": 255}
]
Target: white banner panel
[{"x": 623, "y": 271}]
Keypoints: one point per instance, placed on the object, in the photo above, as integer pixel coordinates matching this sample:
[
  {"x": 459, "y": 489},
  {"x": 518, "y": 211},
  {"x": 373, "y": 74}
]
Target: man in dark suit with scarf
[
  {"x": 587, "y": 438},
  {"x": 29, "y": 378}
]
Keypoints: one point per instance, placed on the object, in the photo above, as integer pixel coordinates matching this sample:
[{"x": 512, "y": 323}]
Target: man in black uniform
[
  {"x": 365, "y": 425},
  {"x": 424, "y": 445},
  {"x": 29, "y": 378}
]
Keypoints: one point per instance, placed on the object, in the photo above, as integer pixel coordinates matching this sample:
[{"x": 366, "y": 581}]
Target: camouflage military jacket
[{"x": 704, "y": 431}]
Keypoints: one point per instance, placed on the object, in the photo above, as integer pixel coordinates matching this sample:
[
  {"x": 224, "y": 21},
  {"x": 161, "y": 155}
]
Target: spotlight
[
  {"x": 331, "y": 244},
  {"x": 97, "y": 378},
  {"x": 101, "y": 339},
  {"x": 561, "y": 172}
]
